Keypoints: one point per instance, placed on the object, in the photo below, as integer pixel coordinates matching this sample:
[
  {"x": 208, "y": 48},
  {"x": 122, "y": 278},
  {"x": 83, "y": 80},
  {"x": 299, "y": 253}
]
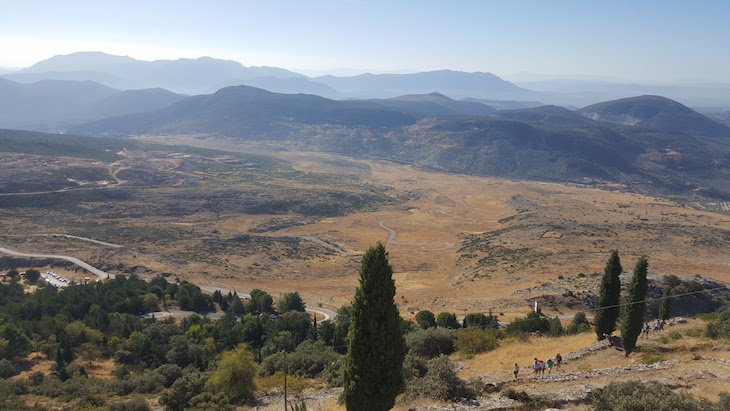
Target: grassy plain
[{"x": 463, "y": 243}]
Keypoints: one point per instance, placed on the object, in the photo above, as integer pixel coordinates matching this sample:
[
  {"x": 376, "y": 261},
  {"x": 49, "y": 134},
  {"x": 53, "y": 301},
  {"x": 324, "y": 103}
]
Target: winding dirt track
[{"x": 393, "y": 233}]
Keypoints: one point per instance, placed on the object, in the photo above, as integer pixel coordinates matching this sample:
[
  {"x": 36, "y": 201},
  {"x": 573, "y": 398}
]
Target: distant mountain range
[
  {"x": 542, "y": 143},
  {"x": 188, "y": 76},
  {"x": 206, "y": 75},
  {"x": 57, "y": 104}
]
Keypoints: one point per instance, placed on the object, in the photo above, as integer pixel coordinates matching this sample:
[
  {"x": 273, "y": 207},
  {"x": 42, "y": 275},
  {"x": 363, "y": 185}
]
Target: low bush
[
  {"x": 439, "y": 381},
  {"x": 472, "y": 341},
  {"x": 170, "y": 373},
  {"x": 639, "y": 395},
  {"x": 270, "y": 384},
  {"x": 137, "y": 404},
  {"x": 309, "y": 359},
  {"x": 697, "y": 332},
  {"x": 674, "y": 335},
  {"x": 7, "y": 369},
  {"x": 650, "y": 354},
  {"x": 431, "y": 342}
]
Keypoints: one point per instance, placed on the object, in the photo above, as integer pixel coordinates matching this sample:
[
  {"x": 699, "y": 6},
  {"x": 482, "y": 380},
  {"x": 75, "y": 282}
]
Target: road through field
[
  {"x": 327, "y": 314},
  {"x": 393, "y": 233}
]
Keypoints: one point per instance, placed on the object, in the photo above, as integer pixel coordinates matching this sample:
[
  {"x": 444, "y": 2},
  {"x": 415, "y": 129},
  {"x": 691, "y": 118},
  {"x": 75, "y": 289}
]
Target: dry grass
[
  {"x": 512, "y": 351},
  {"x": 582, "y": 226}
]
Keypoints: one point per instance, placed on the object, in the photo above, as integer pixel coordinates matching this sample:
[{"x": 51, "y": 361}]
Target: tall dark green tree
[
  {"x": 666, "y": 304},
  {"x": 634, "y": 306},
  {"x": 607, "y": 309},
  {"x": 376, "y": 348}
]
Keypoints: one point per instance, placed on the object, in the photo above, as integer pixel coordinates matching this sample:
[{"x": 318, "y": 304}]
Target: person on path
[
  {"x": 536, "y": 366},
  {"x": 549, "y": 364},
  {"x": 646, "y": 330},
  {"x": 516, "y": 371},
  {"x": 558, "y": 361}
]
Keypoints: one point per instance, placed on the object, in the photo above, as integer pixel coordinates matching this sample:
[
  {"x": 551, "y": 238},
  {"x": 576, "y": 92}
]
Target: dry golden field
[{"x": 462, "y": 243}]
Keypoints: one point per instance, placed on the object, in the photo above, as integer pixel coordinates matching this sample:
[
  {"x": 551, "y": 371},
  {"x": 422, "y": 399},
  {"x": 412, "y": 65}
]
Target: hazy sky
[{"x": 641, "y": 40}]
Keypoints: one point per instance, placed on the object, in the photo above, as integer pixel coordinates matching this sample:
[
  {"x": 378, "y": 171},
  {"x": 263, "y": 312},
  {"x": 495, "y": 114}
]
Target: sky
[{"x": 648, "y": 40}]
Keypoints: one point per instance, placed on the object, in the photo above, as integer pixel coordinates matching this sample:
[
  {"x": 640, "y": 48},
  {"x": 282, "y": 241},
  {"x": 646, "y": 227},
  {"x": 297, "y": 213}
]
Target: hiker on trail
[
  {"x": 549, "y": 364},
  {"x": 661, "y": 325},
  {"x": 516, "y": 371},
  {"x": 558, "y": 361},
  {"x": 646, "y": 330},
  {"x": 536, "y": 366},
  {"x": 656, "y": 326},
  {"x": 542, "y": 367}
]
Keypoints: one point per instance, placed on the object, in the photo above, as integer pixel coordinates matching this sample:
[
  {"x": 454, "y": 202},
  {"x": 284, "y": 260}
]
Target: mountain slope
[
  {"x": 456, "y": 84},
  {"x": 48, "y": 101},
  {"x": 553, "y": 145},
  {"x": 190, "y": 76},
  {"x": 546, "y": 115},
  {"x": 131, "y": 101},
  {"x": 244, "y": 111},
  {"x": 655, "y": 112},
  {"x": 435, "y": 104}
]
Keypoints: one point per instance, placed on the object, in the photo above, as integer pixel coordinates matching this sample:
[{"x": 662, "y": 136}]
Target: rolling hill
[
  {"x": 546, "y": 115},
  {"x": 56, "y": 104},
  {"x": 435, "y": 104},
  {"x": 243, "y": 111},
  {"x": 456, "y": 84},
  {"x": 545, "y": 143},
  {"x": 655, "y": 112},
  {"x": 48, "y": 102}
]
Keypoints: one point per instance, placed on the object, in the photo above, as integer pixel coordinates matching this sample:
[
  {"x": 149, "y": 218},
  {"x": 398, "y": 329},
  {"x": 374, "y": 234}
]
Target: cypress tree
[
  {"x": 633, "y": 313},
  {"x": 376, "y": 348},
  {"x": 610, "y": 296},
  {"x": 666, "y": 305}
]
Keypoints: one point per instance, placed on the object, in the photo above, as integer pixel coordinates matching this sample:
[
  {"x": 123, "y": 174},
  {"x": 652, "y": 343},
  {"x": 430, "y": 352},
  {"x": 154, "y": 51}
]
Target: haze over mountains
[
  {"x": 206, "y": 75},
  {"x": 649, "y": 143}
]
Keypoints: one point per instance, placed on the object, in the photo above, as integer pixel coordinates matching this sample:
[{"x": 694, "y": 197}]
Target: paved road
[
  {"x": 181, "y": 313},
  {"x": 93, "y": 270},
  {"x": 327, "y": 314}
]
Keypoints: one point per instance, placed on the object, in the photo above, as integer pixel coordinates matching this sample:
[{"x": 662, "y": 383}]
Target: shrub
[
  {"x": 146, "y": 382},
  {"x": 470, "y": 342},
  {"x": 7, "y": 369},
  {"x": 675, "y": 335},
  {"x": 137, "y": 404},
  {"x": 235, "y": 374},
  {"x": 431, "y": 342},
  {"x": 310, "y": 359},
  {"x": 183, "y": 390},
  {"x": 638, "y": 395},
  {"x": 695, "y": 332},
  {"x": 275, "y": 383},
  {"x": 671, "y": 280},
  {"x": 515, "y": 395},
  {"x": 447, "y": 320},
  {"x": 36, "y": 378},
  {"x": 650, "y": 354},
  {"x": 170, "y": 373},
  {"x": 720, "y": 327},
  {"x": 207, "y": 401},
  {"x": 425, "y": 319},
  {"x": 532, "y": 323},
  {"x": 439, "y": 382}
]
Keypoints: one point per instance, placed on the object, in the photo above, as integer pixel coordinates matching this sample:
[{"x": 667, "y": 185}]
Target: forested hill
[{"x": 545, "y": 143}]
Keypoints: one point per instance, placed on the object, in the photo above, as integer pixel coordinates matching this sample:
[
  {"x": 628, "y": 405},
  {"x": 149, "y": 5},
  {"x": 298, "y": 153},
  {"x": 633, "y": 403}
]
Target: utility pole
[{"x": 285, "y": 372}]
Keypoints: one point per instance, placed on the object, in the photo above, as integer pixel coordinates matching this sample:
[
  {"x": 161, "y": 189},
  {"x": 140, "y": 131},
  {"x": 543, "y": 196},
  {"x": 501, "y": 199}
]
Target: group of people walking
[
  {"x": 539, "y": 366},
  {"x": 658, "y": 326}
]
